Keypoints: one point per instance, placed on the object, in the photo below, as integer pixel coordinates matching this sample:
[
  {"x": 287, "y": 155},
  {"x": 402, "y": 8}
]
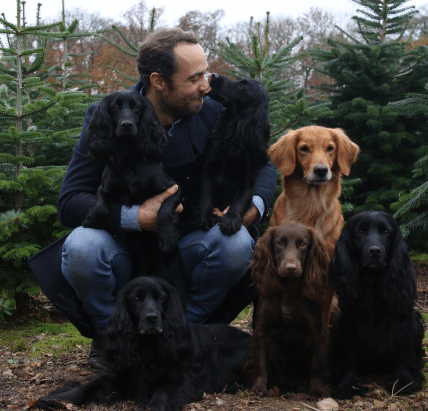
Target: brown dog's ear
[
  {"x": 283, "y": 152},
  {"x": 347, "y": 151},
  {"x": 262, "y": 263},
  {"x": 316, "y": 269}
]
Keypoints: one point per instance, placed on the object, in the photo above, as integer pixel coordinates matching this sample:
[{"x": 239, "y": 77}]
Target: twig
[{"x": 311, "y": 408}]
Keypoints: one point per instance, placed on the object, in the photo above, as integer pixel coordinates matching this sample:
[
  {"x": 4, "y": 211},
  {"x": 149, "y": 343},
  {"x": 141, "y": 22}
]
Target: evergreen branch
[
  {"x": 129, "y": 53},
  {"x": 8, "y": 24},
  {"x": 127, "y": 76},
  {"x": 118, "y": 30}
]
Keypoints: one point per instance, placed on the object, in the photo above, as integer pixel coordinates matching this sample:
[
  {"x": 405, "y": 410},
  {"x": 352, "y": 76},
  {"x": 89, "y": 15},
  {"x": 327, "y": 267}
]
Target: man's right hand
[{"x": 148, "y": 211}]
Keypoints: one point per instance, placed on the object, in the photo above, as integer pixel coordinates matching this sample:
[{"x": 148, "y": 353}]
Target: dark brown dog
[{"x": 290, "y": 268}]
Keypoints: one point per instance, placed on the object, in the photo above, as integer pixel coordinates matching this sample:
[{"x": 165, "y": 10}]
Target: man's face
[{"x": 184, "y": 96}]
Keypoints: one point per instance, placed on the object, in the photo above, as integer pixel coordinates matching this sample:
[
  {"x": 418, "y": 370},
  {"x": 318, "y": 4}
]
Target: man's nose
[{"x": 205, "y": 86}]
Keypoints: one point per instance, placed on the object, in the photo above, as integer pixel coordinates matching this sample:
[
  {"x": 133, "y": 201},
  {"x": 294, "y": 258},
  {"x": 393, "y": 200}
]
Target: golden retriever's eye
[
  {"x": 330, "y": 149},
  {"x": 304, "y": 149}
]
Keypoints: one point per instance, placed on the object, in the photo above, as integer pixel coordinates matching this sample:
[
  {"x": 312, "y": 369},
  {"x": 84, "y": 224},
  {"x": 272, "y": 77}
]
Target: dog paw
[
  {"x": 229, "y": 226},
  {"x": 346, "y": 392},
  {"x": 49, "y": 404},
  {"x": 259, "y": 389},
  {"x": 208, "y": 222},
  {"x": 167, "y": 247}
]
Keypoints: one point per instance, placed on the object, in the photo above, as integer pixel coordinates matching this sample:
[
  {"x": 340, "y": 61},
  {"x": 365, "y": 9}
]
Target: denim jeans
[{"x": 97, "y": 265}]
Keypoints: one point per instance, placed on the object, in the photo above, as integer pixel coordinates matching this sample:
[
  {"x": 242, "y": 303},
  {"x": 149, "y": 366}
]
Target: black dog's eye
[
  {"x": 161, "y": 298},
  {"x": 386, "y": 232},
  {"x": 135, "y": 300},
  {"x": 304, "y": 149},
  {"x": 136, "y": 108},
  {"x": 330, "y": 149},
  {"x": 360, "y": 232},
  {"x": 115, "y": 107}
]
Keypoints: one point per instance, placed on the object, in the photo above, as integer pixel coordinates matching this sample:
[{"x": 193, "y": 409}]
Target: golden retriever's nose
[{"x": 320, "y": 171}]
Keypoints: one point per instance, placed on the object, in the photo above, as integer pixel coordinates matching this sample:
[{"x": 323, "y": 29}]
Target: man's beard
[{"x": 183, "y": 108}]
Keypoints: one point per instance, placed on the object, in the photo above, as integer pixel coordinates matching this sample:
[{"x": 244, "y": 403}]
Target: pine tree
[
  {"x": 369, "y": 73},
  {"x": 287, "y": 103},
  {"x": 35, "y": 149},
  {"x": 412, "y": 208}
]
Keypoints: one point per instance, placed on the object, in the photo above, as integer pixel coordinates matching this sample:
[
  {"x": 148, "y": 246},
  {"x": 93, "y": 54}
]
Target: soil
[{"x": 23, "y": 382}]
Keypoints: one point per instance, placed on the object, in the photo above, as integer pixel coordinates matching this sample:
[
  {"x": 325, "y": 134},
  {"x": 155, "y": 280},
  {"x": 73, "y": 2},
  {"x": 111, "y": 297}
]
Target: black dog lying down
[
  {"x": 236, "y": 150},
  {"x": 377, "y": 330},
  {"x": 126, "y": 133},
  {"x": 155, "y": 357}
]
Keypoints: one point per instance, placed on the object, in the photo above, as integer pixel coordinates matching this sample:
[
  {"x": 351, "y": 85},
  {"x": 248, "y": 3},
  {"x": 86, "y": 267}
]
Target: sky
[{"x": 236, "y": 10}]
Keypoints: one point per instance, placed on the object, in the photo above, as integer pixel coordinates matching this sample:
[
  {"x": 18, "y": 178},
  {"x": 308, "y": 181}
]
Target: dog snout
[
  {"x": 150, "y": 323},
  {"x": 151, "y": 317},
  {"x": 375, "y": 251},
  {"x": 320, "y": 170}
]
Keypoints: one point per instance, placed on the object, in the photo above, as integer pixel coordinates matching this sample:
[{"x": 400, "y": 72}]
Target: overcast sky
[{"x": 236, "y": 10}]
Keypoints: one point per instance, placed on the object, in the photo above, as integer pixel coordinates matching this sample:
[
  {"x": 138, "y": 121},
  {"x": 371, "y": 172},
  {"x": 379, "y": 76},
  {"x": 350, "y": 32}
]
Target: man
[{"x": 97, "y": 263}]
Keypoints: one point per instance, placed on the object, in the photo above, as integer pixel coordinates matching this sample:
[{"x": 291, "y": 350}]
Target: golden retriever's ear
[
  {"x": 263, "y": 263},
  {"x": 283, "y": 153},
  {"x": 347, "y": 151}
]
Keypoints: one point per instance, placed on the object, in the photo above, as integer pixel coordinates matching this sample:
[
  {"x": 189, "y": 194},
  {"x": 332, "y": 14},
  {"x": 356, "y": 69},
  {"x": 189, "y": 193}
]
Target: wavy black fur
[
  {"x": 125, "y": 132},
  {"x": 377, "y": 330},
  {"x": 154, "y": 357},
  {"x": 236, "y": 150}
]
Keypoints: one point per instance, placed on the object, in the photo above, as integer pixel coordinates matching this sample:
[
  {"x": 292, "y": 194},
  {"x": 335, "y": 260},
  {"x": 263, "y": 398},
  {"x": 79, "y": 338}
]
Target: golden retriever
[{"x": 312, "y": 160}]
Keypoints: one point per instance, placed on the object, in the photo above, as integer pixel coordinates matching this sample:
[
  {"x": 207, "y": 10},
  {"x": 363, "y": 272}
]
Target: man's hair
[{"x": 156, "y": 53}]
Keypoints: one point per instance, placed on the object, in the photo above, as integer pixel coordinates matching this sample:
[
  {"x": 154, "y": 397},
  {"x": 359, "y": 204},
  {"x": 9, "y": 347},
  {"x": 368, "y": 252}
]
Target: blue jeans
[{"x": 97, "y": 265}]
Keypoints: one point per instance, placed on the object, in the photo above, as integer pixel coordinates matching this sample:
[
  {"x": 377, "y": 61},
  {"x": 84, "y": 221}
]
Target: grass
[{"x": 39, "y": 339}]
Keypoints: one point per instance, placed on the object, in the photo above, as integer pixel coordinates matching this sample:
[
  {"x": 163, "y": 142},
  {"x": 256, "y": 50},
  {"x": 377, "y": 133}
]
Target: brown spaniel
[{"x": 289, "y": 344}]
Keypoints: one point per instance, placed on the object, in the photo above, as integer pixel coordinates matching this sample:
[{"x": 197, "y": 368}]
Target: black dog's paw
[
  {"x": 208, "y": 221},
  {"x": 229, "y": 225},
  {"x": 348, "y": 391},
  {"x": 168, "y": 240},
  {"x": 50, "y": 404},
  {"x": 167, "y": 247},
  {"x": 94, "y": 220}
]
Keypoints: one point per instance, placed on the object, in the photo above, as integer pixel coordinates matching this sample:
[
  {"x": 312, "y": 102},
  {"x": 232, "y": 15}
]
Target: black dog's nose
[
  {"x": 375, "y": 251},
  {"x": 213, "y": 75},
  {"x": 127, "y": 124},
  {"x": 321, "y": 171},
  {"x": 151, "y": 317}
]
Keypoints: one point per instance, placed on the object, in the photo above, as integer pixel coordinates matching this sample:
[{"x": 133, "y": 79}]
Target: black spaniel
[
  {"x": 236, "y": 150},
  {"x": 156, "y": 358},
  {"x": 125, "y": 132},
  {"x": 377, "y": 331}
]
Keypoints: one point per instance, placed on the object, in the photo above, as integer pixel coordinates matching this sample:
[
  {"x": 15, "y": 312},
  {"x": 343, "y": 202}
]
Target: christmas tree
[
  {"x": 369, "y": 73},
  {"x": 36, "y": 142}
]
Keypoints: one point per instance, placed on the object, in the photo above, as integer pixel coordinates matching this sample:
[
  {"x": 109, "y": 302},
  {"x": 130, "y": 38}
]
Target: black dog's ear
[
  {"x": 400, "y": 285},
  {"x": 176, "y": 341},
  {"x": 344, "y": 268},
  {"x": 255, "y": 118},
  {"x": 100, "y": 131},
  {"x": 152, "y": 130},
  {"x": 122, "y": 347}
]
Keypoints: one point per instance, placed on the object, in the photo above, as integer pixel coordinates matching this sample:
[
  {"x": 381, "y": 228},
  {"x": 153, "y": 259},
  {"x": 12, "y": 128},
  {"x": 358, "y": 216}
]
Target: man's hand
[
  {"x": 148, "y": 211},
  {"x": 250, "y": 216}
]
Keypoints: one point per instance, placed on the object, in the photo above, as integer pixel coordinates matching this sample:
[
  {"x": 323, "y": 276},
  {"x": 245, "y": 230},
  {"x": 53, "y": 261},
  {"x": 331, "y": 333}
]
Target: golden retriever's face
[
  {"x": 321, "y": 153},
  {"x": 316, "y": 152}
]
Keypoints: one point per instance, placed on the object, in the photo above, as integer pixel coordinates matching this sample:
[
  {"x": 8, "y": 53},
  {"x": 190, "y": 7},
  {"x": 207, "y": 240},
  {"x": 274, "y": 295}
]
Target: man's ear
[{"x": 157, "y": 81}]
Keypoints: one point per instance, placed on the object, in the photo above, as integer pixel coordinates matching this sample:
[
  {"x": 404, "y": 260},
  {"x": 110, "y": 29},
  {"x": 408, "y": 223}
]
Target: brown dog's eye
[
  {"x": 303, "y": 245},
  {"x": 279, "y": 244},
  {"x": 330, "y": 149},
  {"x": 304, "y": 149}
]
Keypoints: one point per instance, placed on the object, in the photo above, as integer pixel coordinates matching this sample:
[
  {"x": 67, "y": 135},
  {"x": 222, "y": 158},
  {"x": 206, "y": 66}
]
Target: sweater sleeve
[
  {"x": 80, "y": 185},
  {"x": 265, "y": 185}
]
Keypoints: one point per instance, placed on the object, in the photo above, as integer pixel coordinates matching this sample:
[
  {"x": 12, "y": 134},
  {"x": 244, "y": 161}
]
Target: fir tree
[
  {"x": 412, "y": 208},
  {"x": 35, "y": 149},
  {"x": 369, "y": 73},
  {"x": 288, "y": 105}
]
